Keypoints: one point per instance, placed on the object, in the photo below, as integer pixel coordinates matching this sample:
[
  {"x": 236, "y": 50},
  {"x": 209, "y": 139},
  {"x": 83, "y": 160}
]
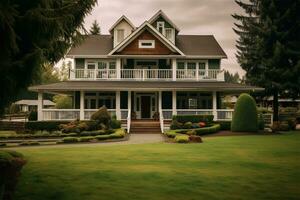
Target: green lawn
[{"x": 235, "y": 167}]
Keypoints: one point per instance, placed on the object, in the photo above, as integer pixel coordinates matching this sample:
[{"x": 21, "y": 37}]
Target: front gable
[
  {"x": 147, "y": 34},
  {"x": 135, "y": 48}
]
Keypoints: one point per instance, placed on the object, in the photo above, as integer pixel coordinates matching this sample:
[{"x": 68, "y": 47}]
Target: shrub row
[
  {"x": 120, "y": 133},
  {"x": 194, "y": 118},
  {"x": 224, "y": 125},
  {"x": 199, "y": 131},
  {"x": 43, "y": 125}
]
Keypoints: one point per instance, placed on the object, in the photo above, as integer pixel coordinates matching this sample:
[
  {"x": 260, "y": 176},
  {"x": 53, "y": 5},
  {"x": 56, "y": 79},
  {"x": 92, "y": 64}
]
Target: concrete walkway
[{"x": 133, "y": 139}]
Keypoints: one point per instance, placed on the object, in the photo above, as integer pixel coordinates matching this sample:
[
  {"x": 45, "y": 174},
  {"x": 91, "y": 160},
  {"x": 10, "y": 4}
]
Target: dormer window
[
  {"x": 170, "y": 34},
  {"x": 161, "y": 27},
  {"x": 146, "y": 44},
  {"x": 120, "y": 35}
]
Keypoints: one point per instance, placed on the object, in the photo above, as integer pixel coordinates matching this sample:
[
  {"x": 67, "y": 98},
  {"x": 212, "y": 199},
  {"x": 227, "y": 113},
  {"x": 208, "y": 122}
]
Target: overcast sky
[{"x": 202, "y": 17}]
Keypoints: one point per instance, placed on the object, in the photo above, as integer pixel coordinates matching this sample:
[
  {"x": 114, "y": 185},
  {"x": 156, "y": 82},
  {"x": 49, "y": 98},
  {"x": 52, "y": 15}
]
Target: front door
[{"x": 145, "y": 107}]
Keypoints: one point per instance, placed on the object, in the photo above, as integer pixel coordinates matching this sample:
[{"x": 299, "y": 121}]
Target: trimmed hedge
[
  {"x": 70, "y": 140},
  {"x": 193, "y": 118},
  {"x": 245, "y": 115},
  {"x": 44, "y": 125},
  {"x": 199, "y": 131},
  {"x": 225, "y": 125}
]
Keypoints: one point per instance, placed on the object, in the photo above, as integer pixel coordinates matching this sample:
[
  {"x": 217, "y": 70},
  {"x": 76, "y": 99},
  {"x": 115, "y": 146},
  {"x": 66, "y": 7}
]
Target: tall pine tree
[
  {"x": 33, "y": 33},
  {"x": 268, "y": 46},
  {"x": 95, "y": 28}
]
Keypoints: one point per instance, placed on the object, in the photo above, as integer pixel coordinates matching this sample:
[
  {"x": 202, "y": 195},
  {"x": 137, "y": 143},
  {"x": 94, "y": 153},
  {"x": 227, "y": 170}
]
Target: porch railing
[
  {"x": 61, "y": 114},
  {"x": 147, "y": 74}
]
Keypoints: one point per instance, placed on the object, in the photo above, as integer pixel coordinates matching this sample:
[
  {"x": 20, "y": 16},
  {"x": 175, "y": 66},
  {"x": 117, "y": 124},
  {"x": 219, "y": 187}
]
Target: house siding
[{"x": 133, "y": 47}]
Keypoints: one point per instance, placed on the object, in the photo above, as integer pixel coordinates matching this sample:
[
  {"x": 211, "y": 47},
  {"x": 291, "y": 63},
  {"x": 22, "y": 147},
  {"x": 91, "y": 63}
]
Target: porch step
[{"x": 145, "y": 126}]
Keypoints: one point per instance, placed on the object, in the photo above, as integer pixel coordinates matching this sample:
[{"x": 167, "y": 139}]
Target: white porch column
[
  {"x": 215, "y": 105},
  {"x": 174, "y": 68},
  {"x": 40, "y": 106},
  {"x": 118, "y": 68},
  {"x": 174, "y": 102},
  {"x": 118, "y": 105},
  {"x": 129, "y": 101},
  {"x": 159, "y": 101},
  {"x": 81, "y": 113}
]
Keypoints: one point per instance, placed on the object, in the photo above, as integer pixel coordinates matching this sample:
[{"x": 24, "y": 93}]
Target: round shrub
[
  {"x": 115, "y": 124},
  {"x": 182, "y": 138},
  {"x": 187, "y": 125},
  {"x": 176, "y": 125},
  {"x": 245, "y": 115},
  {"x": 195, "y": 138},
  {"x": 102, "y": 116}
]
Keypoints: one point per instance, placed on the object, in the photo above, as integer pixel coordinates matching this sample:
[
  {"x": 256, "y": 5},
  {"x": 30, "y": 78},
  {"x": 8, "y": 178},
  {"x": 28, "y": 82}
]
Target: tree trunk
[{"x": 275, "y": 106}]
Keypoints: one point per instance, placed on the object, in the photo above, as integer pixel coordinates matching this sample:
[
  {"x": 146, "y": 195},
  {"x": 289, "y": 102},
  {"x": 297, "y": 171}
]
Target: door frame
[{"x": 153, "y": 103}]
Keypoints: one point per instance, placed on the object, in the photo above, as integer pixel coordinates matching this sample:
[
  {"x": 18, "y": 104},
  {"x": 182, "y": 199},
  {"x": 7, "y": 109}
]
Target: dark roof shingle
[{"x": 190, "y": 45}]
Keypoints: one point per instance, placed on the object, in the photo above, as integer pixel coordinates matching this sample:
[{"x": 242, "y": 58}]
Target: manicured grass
[{"x": 233, "y": 167}]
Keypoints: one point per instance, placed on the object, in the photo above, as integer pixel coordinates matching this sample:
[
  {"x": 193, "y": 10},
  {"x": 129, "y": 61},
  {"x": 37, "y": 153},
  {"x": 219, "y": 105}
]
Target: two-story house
[{"x": 144, "y": 72}]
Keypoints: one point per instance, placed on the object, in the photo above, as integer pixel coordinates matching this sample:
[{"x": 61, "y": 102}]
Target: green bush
[
  {"x": 182, "y": 138},
  {"x": 208, "y": 130},
  {"x": 194, "y": 118},
  {"x": 43, "y": 125},
  {"x": 29, "y": 143},
  {"x": 176, "y": 125},
  {"x": 2, "y": 144},
  {"x": 70, "y": 140},
  {"x": 11, "y": 163},
  {"x": 115, "y": 124},
  {"x": 292, "y": 122},
  {"x": 32, "y": 116},
  {"x": 102, "y": 116},
  {"x": 94, "y": 133},
  {"x": 187, "y": 125},
  {"x": 245, "y": 115},
  {"x": 170, "y": 133},
  {"x": 102, "y": 137},
  {"x": 86, "y": 139},
  {"x": 225, "y": 125}
]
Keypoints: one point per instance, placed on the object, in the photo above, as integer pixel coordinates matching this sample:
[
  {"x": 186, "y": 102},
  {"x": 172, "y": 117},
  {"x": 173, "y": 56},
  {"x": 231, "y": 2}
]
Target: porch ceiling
[{"x": 142, "y": 86}]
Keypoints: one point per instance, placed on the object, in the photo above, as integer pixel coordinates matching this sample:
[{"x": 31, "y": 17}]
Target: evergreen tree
[
  {"x": 279, "y": 48},
  {"x": 32, "y": 33},
  {"x": 268, "y": 46},
  {"x": 95, "y": 29}
]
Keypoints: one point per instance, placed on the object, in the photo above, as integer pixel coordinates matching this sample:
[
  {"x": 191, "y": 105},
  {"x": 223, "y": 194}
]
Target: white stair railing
[
  {"x": 161, "y": 121},
  {"x": 128, "y": 120}
]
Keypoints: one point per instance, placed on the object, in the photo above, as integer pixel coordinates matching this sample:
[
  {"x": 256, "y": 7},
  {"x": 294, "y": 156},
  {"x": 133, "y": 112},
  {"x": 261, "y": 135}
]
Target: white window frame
[
  {"x": 161, "y": 24},
  {"x": 141, "y": 46},
  {"x": 172, "y": 34},
  {"x": 118, "y": 35}
]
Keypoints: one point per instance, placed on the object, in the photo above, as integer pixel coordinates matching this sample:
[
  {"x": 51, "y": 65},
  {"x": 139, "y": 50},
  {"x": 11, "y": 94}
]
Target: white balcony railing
[
  {"x": 147, "y": 74},
  {"x": 60, "y": 114}
]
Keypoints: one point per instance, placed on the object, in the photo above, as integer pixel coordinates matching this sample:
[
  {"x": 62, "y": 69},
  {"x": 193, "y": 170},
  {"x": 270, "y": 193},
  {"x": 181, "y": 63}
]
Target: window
[
  {"x": 169, "y": 34},
  {"x": 102, "y": 65},
  {"x": 112, "y": 65},
  {"x": 180, "y": 65},
  {"x": 193, "y": 103},
  {"x": 161, "y": 27},
  {"x": 120, "y": 35},
  {"x": 147, "y": 44},
  {"x": 91, "y": 65},
  {"x": 191, "y": 65}
]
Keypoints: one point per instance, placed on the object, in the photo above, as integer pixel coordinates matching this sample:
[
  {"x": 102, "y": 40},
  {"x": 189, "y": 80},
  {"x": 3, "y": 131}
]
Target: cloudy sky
[{"x": 191, "y": 16}]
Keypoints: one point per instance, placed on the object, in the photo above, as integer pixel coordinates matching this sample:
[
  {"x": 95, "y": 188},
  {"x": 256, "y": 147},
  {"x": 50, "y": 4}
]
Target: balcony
[{"x": 147, "y": 74}]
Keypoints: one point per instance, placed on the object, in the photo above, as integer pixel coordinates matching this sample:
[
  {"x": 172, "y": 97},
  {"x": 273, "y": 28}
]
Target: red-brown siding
[{"x": 133, "y": 47}]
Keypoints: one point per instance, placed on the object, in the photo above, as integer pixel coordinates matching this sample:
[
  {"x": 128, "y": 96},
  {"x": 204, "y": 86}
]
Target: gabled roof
[
  {"x": 190, "y": 45},
  {"x": 161, "y": 13},
  {"x": 31, "y": 102},
  {"x": 200, "y": 45},
  {"x": 93, "y": 45},
  {"x": 138, "y": 31},
  {"x": 123, "y": 17}
]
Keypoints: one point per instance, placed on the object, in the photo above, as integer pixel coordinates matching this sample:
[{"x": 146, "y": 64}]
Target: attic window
[
  {"x": 161, "y": 27},
  {"x": 147, "y": 44}
]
